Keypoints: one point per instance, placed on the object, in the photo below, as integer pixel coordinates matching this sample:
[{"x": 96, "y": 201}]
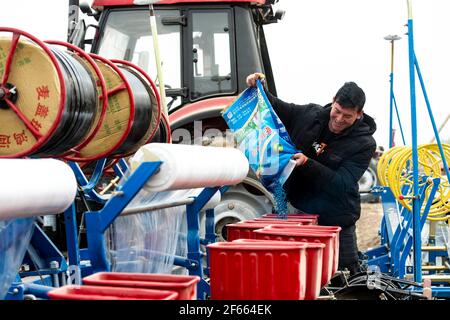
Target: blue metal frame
[
  {"x": 415, "y": 156},
  {"x": 194, "y": 252},
  {"x": 398, "y": 119},
  {"x": 73, "y": 250},
  {"x": 391, "y": 256},
  {"x": 433, "y": 123},
  {"x": 121, "y": 167},
  {"x": 402, "y": 230},
  {"x": 41, "y": 253},
  {"x": 18, "y": 290},
  {"x": 210, "y": 235},
  {"x": 392, "y": 105},
  {"x": 87, "y": 186},
  {"x": 397, "y": 239},
  {"x": 414, "y": 67},
  {"x": 392, "y": 101},
  {"x": 98, "y": 222},
  {"x": 400, "y": 270}
]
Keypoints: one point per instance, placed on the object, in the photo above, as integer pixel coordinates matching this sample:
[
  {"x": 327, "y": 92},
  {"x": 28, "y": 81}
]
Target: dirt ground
[{"x": 368, "y": 225}]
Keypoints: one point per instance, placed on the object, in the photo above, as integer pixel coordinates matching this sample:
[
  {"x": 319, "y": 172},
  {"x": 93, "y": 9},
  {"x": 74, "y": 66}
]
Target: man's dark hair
[{"x": 351, "y": 96}]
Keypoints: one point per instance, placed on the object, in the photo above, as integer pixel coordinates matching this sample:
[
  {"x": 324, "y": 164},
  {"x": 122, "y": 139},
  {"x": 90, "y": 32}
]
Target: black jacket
[{"x": 327, "y": 184}]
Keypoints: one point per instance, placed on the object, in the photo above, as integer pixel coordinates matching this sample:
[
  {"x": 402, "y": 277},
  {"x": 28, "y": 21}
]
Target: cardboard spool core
[
  {"x": 35, "y": 78},
  {"x": 116, "y": 120}
]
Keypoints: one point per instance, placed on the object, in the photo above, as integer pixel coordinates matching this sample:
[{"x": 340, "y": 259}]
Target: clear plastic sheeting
[
  {"x": 15, "y": 236},
  {"x": 147, "y": 242},
  {"x": 181, "y": 249}
]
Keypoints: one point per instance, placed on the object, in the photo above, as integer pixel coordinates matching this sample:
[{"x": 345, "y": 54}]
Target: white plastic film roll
[
  {"x": 31, "y": 187},
  {"x": 191, "y": 166}
]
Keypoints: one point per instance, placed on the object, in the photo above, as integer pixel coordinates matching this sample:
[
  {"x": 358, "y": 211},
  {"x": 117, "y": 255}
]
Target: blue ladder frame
[{"x": 397, "y": 237}]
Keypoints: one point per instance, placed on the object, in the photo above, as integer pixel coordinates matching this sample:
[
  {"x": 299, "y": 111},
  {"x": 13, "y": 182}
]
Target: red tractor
[{"x": 207, "y": 49}]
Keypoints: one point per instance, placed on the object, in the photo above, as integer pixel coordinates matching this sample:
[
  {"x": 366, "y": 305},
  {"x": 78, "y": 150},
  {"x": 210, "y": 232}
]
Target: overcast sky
[{"x": 319, "y": 45}]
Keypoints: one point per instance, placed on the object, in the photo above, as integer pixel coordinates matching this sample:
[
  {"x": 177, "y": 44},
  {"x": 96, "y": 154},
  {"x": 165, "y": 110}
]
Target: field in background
[{"x": 368, "y": 225}]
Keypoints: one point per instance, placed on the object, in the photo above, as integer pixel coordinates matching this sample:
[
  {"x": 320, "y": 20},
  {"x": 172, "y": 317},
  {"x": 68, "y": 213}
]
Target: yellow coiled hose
[{"x": 395, "y": 170}]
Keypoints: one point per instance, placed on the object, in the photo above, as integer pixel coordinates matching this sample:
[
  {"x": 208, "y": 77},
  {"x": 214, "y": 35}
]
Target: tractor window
[
  {"x": 212, "y": 71},
  {"x": 127, "y": 36}
]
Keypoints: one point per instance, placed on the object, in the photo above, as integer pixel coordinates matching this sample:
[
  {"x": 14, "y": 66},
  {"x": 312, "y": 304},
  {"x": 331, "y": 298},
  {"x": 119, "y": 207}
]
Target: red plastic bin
[
  {"x": 314, "y": 256},
  {"x": 292, "y": 215},
  {"x": 326, "y": 238},
  {"x": 244, "y": 229},
  {"x": 305, "y": 221},
  {"x": 274, "y": 221},
  {"x": 185, "y": 286},
  {"x": 241, "y": 271},
  {"x": 75, "y": 292},
  {"x": 334, "y": 229}
]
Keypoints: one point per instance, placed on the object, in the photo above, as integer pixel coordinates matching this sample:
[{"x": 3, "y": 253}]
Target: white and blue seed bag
[{"x": 262, "y": 137}]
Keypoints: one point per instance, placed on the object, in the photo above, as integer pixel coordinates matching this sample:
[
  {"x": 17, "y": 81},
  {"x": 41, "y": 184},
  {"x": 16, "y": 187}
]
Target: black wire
[
  {"x": 86, "y": 205},
  {"x": 386, "y": 284},
  {"x": 80, "y": 108},
  {"x": 35, "y": 267},
  {"x": 142, "y": 111}
]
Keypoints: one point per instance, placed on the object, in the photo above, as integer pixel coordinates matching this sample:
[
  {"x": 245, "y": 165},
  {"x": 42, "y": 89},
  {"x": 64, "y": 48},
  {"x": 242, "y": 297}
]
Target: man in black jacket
[{"x": 336, "y": 146}]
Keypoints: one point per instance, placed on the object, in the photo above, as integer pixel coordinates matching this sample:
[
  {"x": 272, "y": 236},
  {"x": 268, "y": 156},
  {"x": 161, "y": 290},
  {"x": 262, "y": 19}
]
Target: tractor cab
[{"x": 207, "y": 48}]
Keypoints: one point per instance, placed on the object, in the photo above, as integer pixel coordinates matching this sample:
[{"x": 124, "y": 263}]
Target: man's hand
[
  {"x": 300, "y": 159},
  {"x": 251, "y": 79}
]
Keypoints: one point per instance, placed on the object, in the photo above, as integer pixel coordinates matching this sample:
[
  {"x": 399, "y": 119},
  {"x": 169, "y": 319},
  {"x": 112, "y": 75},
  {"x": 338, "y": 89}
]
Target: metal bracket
[{"x": 172, "y": 21}]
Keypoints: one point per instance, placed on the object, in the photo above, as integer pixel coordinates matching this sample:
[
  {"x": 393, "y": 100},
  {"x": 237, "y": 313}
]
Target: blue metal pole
[
  {"x": 88, "y": 185},
  {"x": 121, "y": 167},
  {"x": 398, "y": 119},
  {"x": 391, "y": 39},
  {"x": 210, "y": 234},
  {"x": 433, "y": 123},
  {"x": 37, "y": 290},
  {"x": 391, "y": 100},
  {"x": 415, "y": 156},
  {"x": 193, "y": 238},
  {"x": 73, "y": 250}
]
